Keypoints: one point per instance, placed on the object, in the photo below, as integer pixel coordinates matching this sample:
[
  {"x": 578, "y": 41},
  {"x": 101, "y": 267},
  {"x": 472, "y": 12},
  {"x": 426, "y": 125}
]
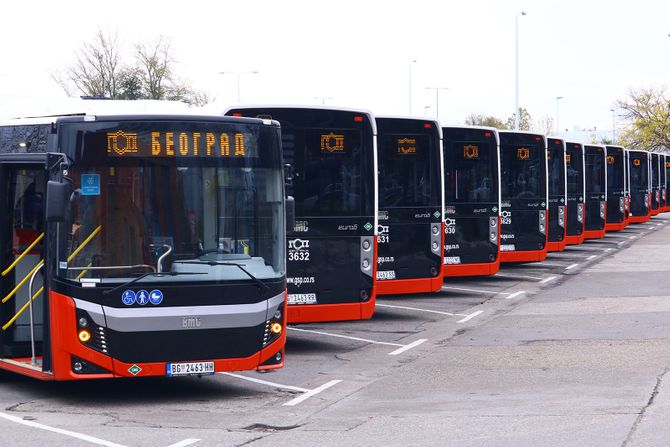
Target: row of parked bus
[
  {"x": 388, "y": 205},
  {"x": 156, "y": 245}
]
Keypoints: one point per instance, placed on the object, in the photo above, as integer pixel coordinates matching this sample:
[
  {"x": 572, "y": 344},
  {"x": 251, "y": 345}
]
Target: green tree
[
  {"x": 647, "y": 116},
  {"x": 481, "y": 120}
]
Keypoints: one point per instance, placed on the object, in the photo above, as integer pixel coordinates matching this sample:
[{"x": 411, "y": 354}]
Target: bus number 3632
[{"x": 298, "y": 255}]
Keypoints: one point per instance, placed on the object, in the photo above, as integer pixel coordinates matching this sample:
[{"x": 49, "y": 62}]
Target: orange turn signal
[
  {"x": 276, "y": 328},
  {"x": 84, "y": 336}
]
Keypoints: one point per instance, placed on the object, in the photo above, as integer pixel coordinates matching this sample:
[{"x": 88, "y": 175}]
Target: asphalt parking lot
[{"x": 364, "y": 383}]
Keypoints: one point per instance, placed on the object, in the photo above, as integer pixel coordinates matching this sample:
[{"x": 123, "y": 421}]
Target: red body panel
[
  {"x": 557, "y": 246},
  {"x": 575, "y": 240},
  {"x": 483, "y": 269},
  {"x": 408, "y": 286},
  {"x": 594, "y": 234},
  {"x": 616, "y": 226},
  {"x": 524, "y": 256}
]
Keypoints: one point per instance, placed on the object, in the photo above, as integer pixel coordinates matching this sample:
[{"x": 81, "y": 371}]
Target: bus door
[
  {"x": 616, "y": 189},
  {"x": 574, "y": 161},
  {"x": 22, "y": 244},
  {"x": 596, "y": 192},
  {"x": 557, "y": 195}
]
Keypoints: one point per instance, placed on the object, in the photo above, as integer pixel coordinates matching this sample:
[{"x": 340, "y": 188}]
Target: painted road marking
[
  {"x": 72, "y": 434},
  {"x": 185, "y": 442},
  {"x": 402, "y": 347},
  {"x": 349, "y": 337},
  {"x": 591, "y": 257},
  {"x": 391, "y": 306},
  {"x": 311, "y": 393},
  {"x": 546, "y": 264},
  {"x": 546, "y": 280},
  {"x": 266, "y": 382},
  {"x": 571, "y": 266},
  {"x": 515, "y": 294},
  {"x": 534, "y": 278},
  {"x": 306, "y": 393},
  {"x": 465, "y": 289},
  {"x": 414, "y": 344},
  {"x": 470, "y": 317}
]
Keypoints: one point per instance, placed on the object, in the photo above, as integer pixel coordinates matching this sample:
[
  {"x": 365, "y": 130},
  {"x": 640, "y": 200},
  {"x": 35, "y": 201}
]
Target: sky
[{"x": 358, "y": 53}]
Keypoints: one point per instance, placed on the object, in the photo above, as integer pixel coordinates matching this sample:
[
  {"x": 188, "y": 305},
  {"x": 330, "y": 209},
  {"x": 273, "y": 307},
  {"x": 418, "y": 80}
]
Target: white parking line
[
  {"x": 534, "y": 278},
  {"x": 546, "y": 264},
  {"x": 515, "y": 294},
  {"x": 185, "y": 442},
  {"x": 306, "y": 393},
  {"x": 546, "y": 280},
  {"x": 60, "y": 431},
  {"x": 349, "y": 337},
  {"x": 266, "y": 382},
  {"x": 414, "y": 344},
  {"x": 591, "y": 257},
  {"x": 391, "y": 306},
  {"x": 465, "y": 289},
  {"x": 311, "y": 393},
  {"x": 571, "y": 266},
  {"x": 470, "y": 317}
]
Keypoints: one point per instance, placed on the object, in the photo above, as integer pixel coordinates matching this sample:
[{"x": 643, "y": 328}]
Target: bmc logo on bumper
[{"x": 190, "y": 322}]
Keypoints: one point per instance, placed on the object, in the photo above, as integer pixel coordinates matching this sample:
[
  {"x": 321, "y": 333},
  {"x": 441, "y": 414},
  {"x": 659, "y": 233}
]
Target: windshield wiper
[
  {"x": 144, "y": 275},
  {"x": 239, "y": 266}
]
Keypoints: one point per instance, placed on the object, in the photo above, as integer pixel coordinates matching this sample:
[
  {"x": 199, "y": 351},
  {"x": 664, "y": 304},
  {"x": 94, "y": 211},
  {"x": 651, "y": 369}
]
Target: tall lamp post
[
  {"x": 558, "y": 129},
  {"x": 409, "y": 88},
  {"x": 517, "y": 118},
  {"x": 238, "y": 74},
  {"x": 323, "y": 99},
  {"x": 425, "y": 110},
  {"x": 613, "y": 126},
  {"x": 437, "y": 98}
]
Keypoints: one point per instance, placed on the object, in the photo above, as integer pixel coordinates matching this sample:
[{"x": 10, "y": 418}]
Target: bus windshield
[
  {"x": 615, "y": 171},
  {"x": 523, "y": 171},
  {"x": 639, "y": 172},
  {"x": 595, "y": 180},
  {"x": 405, "y": 160},
  {"x": 575, "y": 172},
  {"x": 470, "y": 173},
  {"x": 556, "y": 171},
  {"x": 200, "y": 197}
]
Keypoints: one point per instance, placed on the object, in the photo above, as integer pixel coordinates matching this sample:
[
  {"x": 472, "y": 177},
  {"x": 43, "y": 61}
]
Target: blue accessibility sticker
[
  {"x": 90, "y": 184},
  {"x": 128, "y": 297},
  {"x": 156, "y": 297},
  {"x": 142, "y": 297}
]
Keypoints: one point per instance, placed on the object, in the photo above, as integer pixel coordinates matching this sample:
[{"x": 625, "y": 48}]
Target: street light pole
[
  {"x": 558, "y": 129},
  {"x": 238, "y": 74},
  {"x": 409, "y": 91},
  {"x": 323, "y": 99},
  {"x": 613, "y": 126},
  {"x": 437, "y": 98},
  {"x": 517, "y": 118},
  {"x": 425, "y": 110}
]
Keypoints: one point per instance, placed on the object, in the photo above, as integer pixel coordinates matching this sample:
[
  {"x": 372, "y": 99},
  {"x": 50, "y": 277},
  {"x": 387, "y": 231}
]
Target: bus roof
[
  {"x": 435, "y": 122},
  {"x": 482, "y": 128},
  {"x": 368, "y": 113},
  {"x": 132, "y": 117}
]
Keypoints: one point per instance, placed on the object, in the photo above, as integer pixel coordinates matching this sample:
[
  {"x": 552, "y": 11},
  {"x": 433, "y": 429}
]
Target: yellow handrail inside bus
[
  {"x": 84, "y": 243},
  {"x": 25, "y": 252},
  {"x": 25, "y": 306},
  {"x": 18, "y": 286}
]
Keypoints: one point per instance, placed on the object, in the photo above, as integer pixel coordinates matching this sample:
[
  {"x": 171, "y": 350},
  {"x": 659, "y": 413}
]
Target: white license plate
[
  {"x": 302, "y": 298},
  {"x": 190, "y": 368},
  {"x": 507, "y": 247},
  {"x": 452, "y": 260},
  {"x": 385, "y": 274}
]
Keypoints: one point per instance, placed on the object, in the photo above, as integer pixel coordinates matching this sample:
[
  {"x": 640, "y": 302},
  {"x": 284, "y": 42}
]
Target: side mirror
[
  {"x": 58, "y": 200},
  {"x": 290, "y": 214}
]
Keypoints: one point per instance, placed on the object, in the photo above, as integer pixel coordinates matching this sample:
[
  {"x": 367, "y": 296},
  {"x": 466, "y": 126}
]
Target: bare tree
[
  {"x": 96, "y": 68},
  {"x": 545, "y": 125},
  {"x": 481, "y": 120},
  {"x": 156, "y": 62}
]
